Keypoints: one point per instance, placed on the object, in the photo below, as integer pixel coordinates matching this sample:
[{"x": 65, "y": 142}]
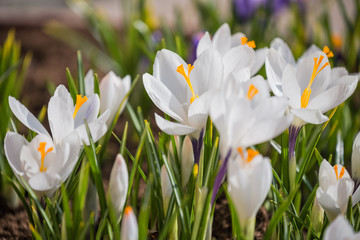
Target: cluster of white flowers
[
  {"x": 221, "y": 85},
  {"x": 48, "y": 159}
]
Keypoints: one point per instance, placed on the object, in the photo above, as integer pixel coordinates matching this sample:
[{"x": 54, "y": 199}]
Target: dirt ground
[{"x": 50, "y": 59}]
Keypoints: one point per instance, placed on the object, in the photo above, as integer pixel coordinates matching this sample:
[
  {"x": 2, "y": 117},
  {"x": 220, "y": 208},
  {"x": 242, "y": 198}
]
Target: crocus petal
[
  {"x": 12, "y": 146},
  {"x": 222, "y": 39},
  {"x": 236, "y": 39},
  {"x": 187, "y": 161},
  {"x": 97, "y": 128},
  {"x": 60, "y": 119},
  {"x": 309, "y": 115},
  {"x": 199, "y": 111},
  {"x": 44, "y": 183},
  {"x": 89, "y": 83},
  {"x": 172, "y": 128},
  {"x": 340, "y": 229},
  {"x": 26, "y": 117},
  {"x": 62, "y": 93},
  {"x": 163, "y": 98},
  {"x": 291, "y": 88},
  {"x": 260, "y": 56},
  {"x": 89, "y": 111},
  {"x": 204, "y": 44},
  {"x": 355, "y": 158},
  {"x": 129, "y": 226},
  {"x": 208, "y": 69},
  {"x": 237, "y": 58},
  {"x": 275, "y": 65},
  {"x": 283, "y": 49},
  {"x": 164, "y": 69},
  {"x": 118, "y": 184}
]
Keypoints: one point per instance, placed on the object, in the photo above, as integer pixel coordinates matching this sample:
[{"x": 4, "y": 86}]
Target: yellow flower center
[
  {"x": 180, "y": 69},
  {"x": 252, "y": 92},
  {"x": 79, "y": 102},
  {"x": 43, "y": 153},
  {"x": 251, "y": 153},
  {"x": 327, "y": 51},
  {"x": 306, "y": 94},
  {"x": 342, "y": 172},
  {"x": 244, "y": 40}
]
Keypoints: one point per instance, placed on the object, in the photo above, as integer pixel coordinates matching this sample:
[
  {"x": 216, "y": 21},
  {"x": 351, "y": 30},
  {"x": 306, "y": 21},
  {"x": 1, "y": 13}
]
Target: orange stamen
[
  {"x": 327, "y": 51},
  {"x": 342, "y": 172},
  {"x": 43, "y": 153},
  {"x": 180, "y": 69},
  {"x": 128, "y": 210},
  {"x": 307, "y": 92},
  {"x": 244, "y": 40},
  {"x": 252, "y": 92},
  {"x": 251, "y": 153},
  {"x": 79, "y": 102}
]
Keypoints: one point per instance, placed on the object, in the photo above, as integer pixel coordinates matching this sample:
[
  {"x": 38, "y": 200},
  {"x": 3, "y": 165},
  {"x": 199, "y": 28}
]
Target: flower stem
[{"x": 249, "y": 229}]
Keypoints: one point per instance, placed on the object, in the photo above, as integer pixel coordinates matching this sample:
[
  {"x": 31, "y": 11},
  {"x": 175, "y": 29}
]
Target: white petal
[
  {"x": 275, "y": 65},
  {"x": 204, "y": 44},
  {"x": 355, "y": 158},
  {"x": 309, "y": 115},
  {"x": 199, "y": 111},
  {"x": 260, "y": 56},
  {"x": 187, "y": 161},
  {"x": 44, "y": 183},
  {"x": 60, "y": 118},
  {"x": 283, "y": 49},
  {"x": 207, "y": 72},
  {"x": 236, "y": 39},
  {"x": 89, "y": 83},
  {"x": 238, "y": 58},
  {"x": 163, "y": 98},
  {"x": 222, "y": 39},
  {"x": 89, "y": 110},
  {"x": 291, "y": 88},
  {"x": 339, "y": 229},
  {"x": 118, "y": 184},
  {"x": 26, "y": 117},
  {"x": 165, "y": 65},
  {"x": 97, "y": 128},
  {"x": 172, "y": 128},
  {"x": 62, "y": 93},
  {"x": 129, "y": 226},
  {"x": 13, "y": 144}
]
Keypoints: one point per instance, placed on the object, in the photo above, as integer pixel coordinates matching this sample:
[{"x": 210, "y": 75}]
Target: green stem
[{"x": 250, "y": 229}]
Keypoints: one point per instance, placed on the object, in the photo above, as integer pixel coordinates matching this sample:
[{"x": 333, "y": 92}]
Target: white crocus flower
[
  {"x": 42, "y": 163},
  {"x": 113, "y": 90},
  {"x": 129, "y": 225},
  {"x": 244, "y": 113},
  {"x": 340, "y": 229},
  {"x": 187, "y": 161},
  {"x": 65, "y": 117},
  {"x": 335, "y": 188},
  {"x": 118, "y": 184},
  {"x": 311, "y": 86},
  {"x": 249, "y": 181},
  {"x": 182, "y": 91},
  {"x": 236, "y": 50}
]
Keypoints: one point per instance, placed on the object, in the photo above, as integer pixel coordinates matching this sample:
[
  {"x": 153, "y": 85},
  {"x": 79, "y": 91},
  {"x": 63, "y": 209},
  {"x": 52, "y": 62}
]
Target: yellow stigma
[
  {"x": 196, "y": 169},
  {"x": 328, "y": 53},
  {"x": 252, "y": 92},
  {"x": 307, "y": 92},
  {"x": 244, "y": 40},
  {"x": 251, "y": 153},
  {"x": 43, "y": 153},
  {"x": 342, "y": 172},
  {"x": 79, "y": 102},
  {"x": 180, "y": 69}
]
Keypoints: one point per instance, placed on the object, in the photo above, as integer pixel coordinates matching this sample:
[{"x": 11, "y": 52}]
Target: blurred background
[{"x": 124, "y": 36}]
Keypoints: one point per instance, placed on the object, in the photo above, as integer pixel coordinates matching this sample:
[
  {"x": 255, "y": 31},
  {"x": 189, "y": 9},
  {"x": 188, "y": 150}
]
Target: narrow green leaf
[
  {"x": 71, "y": 85},
  {"x": 80, "y": 74}
]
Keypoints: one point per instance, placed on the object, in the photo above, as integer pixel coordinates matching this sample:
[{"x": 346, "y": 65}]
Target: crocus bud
[
  {"x": 166, "y": 188},
  {"x": 129, "y": 226},
  {"x": 113, "y": 90},
  {"x": 355, "y": 169},
  {"x": 118, "y": 184},
  {"x": 317, "y": 216},
  {"x": 187, "y": 161}
]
